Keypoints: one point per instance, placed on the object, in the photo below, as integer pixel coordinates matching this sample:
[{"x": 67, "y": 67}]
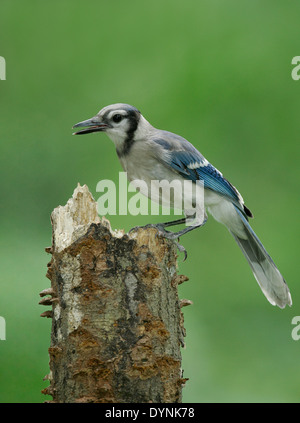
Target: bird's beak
[{"x": 91, "y": 125}]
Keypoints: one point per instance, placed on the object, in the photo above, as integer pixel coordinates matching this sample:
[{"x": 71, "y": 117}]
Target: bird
[{"x": 147, "y": 153}]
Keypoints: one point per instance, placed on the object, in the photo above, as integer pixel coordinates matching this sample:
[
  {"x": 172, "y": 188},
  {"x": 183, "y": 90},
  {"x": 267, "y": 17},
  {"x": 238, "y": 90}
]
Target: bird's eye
[{"x": 117, "y": 118}]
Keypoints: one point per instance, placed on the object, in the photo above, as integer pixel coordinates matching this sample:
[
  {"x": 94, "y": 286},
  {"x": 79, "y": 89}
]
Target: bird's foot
[
  {"x": 181, "y": 249},
  {"x": 161, "y": 231},
  {"x": 158, "y": 226},
  {"x": 173, "y": 236}
]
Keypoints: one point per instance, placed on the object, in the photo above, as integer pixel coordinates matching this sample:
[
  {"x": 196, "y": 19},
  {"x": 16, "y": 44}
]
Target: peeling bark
[{"x": 117, "y": 324}]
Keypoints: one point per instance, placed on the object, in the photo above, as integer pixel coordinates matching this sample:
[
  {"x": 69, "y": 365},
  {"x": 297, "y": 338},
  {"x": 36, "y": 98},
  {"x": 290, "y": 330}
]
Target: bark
[{"x": 117, "y": 324}]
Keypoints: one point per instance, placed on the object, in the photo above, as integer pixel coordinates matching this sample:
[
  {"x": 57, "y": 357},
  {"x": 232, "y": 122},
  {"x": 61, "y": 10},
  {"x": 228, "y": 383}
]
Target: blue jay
[{"x": 147, "y": 153}]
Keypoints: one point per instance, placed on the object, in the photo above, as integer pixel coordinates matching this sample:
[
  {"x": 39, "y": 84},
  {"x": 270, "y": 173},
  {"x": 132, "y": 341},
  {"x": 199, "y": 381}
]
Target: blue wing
[
  {"x": 196, "y": 168},
  {"x": 191, "y": 164}
]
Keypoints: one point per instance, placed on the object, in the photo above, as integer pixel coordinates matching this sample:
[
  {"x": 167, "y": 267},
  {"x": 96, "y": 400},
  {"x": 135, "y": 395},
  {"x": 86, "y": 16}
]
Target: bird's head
[{"x": 122, "y": 123}]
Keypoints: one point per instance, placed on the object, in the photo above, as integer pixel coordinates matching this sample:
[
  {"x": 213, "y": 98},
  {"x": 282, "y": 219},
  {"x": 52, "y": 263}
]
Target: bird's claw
[
  {"x": 162, "y": 232},
  {"x": 150, "y": 225},
  {"x": 173, "y": 236},
  {"x": 135, "y": 228},
  {"x": 181, "y": 249}
]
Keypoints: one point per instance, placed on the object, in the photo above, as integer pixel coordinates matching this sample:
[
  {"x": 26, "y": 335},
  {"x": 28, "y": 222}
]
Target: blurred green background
[{"x": 217, "y": 73}]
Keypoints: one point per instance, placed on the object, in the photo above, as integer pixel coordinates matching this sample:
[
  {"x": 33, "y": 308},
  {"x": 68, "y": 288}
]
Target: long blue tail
[{"x": 264, "y": 269}]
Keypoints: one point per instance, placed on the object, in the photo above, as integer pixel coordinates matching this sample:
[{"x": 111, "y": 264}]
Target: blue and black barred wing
[{"x": 190, "y": 164}]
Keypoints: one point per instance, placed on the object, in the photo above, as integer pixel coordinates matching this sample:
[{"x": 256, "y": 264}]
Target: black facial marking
[
  {"x": 105, "y": 119},
  {"x": 133, "y": 117}
]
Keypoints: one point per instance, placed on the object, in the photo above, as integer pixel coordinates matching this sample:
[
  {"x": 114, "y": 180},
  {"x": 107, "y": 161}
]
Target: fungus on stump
[{"x": 117, "y": 324}]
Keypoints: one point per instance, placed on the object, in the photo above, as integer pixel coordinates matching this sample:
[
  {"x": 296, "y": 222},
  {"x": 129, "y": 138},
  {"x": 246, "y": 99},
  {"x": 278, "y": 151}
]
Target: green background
[{"x": 217, "y": 73}]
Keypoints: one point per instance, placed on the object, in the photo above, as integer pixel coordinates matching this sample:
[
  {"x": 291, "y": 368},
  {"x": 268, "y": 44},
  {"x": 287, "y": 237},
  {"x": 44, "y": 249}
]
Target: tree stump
[{"x": 117, "y": 325}]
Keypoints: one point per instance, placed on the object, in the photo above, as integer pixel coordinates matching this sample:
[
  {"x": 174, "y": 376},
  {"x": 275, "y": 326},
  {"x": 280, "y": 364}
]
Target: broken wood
[{"x": 117, "y": 324}]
